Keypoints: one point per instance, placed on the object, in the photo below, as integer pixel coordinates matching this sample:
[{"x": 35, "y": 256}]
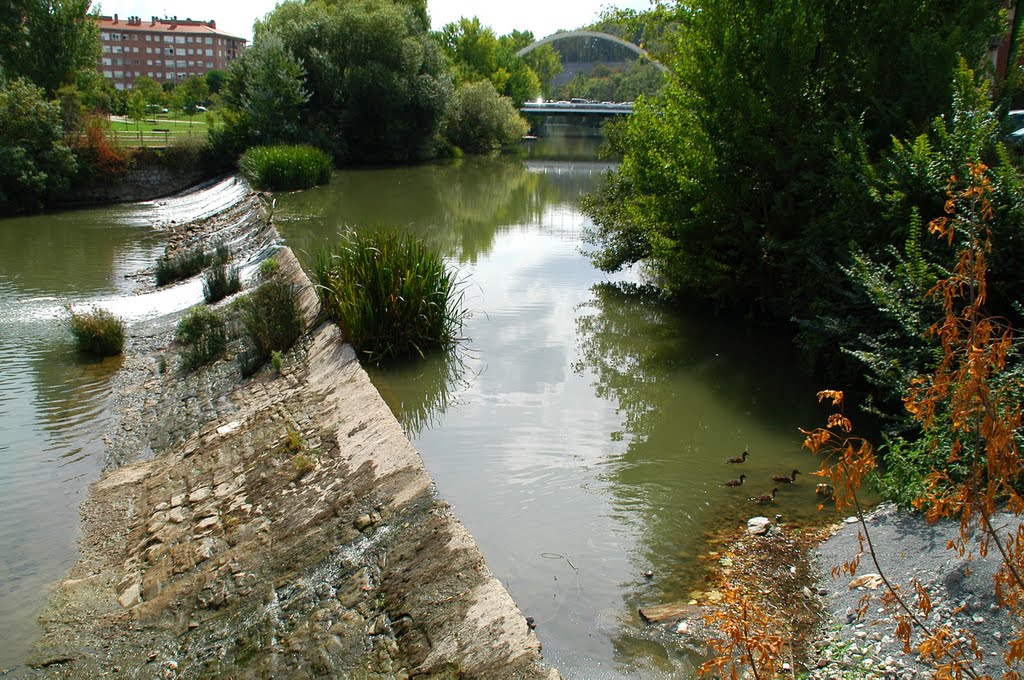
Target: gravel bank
[{"x": 908, "y": 549}]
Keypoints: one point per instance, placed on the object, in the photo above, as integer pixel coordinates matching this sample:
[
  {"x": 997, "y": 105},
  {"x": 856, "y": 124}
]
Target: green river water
[{"x": 580, "y": 432}]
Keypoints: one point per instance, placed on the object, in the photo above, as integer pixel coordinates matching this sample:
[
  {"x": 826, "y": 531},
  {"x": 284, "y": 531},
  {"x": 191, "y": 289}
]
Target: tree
[
  {"x": 137, "y": 110},
  {"x": 478, "y": 54},
  {"x": 97, "y": 92},
  {"x": 48, "y": 41},
  {"x": 35, "y": 163},
  {"x": 190, "y": 94},
  {"x": 152, "y": 93},
  {"x": 731, "y": 187},
  {"x": 547, "y": 64},
  {"x": 472, "y": 47},
  {"x": 215, "y": 80},
  {"x": 377, "y": 81},
  {"x": 266, "y": 85},
  {"x": 480, "y": 120}
]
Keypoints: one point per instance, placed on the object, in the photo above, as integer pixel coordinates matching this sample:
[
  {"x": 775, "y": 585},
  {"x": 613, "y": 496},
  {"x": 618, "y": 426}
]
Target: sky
[{"x": 236, "y": 17}]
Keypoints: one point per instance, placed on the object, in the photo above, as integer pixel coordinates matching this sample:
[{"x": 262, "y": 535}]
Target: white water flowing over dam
[{"x": 52, "y": 400}]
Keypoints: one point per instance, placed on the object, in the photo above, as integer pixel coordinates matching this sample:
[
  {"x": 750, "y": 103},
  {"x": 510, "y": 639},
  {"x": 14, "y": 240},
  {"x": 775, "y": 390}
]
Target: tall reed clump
[
  {"x": 221, "y": 281},
  {"x": 171, "y": 268},
  {"x": 97, "y": 331},
  {"x": 203, "y": 336},
  {"x": 272, "y": 320},
  {"x": 390, "y": 294},
  {"x": 283, "y": 168}
]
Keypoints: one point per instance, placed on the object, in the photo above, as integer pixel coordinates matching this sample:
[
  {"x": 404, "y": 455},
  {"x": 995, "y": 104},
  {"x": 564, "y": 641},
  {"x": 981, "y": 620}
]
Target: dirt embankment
[{"x": 283, "y": 527}]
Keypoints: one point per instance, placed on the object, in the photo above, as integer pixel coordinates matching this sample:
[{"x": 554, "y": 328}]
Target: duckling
[
  {"x": 764, "y": 498},
  {"x": 785, "y": 479},
  {"x": 739, "y": 459},
  {"x": 735, "y": 482},
  {"x": 824, "y": 491}
]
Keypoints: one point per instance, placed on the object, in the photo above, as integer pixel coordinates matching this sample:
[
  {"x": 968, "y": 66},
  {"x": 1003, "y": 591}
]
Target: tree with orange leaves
[{"x": 973, "y": 395}]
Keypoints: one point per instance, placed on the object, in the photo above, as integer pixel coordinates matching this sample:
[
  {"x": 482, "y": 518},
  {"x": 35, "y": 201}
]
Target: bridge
[
  {"x": 578, "y": 107},
  {"x": 639, "y": 51}
]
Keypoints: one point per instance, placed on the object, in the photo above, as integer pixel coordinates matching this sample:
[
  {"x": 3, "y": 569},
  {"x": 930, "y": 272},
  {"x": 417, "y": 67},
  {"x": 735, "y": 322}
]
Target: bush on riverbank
[
  {"x": 203, "y": 335},
  {"x": 480, "y": 120},
  {"x": 390, "y": 294},
  {"x": 284, "y": 168},
  {"x": 97, "y": 332},
  {"x": 272, "y": 320},
  {"x": 37, "y": 163}
]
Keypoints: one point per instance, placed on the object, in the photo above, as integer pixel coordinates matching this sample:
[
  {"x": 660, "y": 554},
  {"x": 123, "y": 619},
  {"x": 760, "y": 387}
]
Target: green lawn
[{"x": 157, "y": 129}]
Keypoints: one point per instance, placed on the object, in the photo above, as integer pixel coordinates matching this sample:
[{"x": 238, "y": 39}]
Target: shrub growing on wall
[
  {"x": 272, "y": 319},
  {"x": 203, "y": 335}
]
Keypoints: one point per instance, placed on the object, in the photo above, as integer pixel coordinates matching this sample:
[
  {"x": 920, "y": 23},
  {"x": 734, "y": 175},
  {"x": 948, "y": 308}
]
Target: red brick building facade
[{"x": 166, "y": 49}]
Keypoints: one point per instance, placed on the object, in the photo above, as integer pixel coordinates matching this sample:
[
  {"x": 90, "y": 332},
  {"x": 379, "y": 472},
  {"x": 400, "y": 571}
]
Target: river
[{"x": 580, "y": 432}]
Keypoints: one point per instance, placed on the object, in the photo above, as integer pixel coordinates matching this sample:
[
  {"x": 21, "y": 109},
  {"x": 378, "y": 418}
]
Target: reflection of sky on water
[
  {"x": 532, "y": 434},
  {"x": 582, "y": 438}
]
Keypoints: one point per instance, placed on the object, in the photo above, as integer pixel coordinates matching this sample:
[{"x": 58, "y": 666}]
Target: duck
[
  {"x": 735, "y": 482},
  {"x": 739, "y": 459},
  {"x": 824, "y": 491},
  {"x": 786, "y": 479},
  {"x": 764, "y": 498}
]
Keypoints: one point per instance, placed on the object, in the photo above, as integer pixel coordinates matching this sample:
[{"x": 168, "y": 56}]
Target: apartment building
[{"x": 165, "y": 49}]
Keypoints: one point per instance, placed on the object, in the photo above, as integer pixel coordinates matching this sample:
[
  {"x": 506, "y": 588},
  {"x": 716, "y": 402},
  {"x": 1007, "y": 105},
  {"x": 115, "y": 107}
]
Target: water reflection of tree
[
  {"x": 684, "y": 385},
  {"x": 457, "y": 208},
  {"x": 635, "y": 343},
  {"x": 419, "y": 392}
]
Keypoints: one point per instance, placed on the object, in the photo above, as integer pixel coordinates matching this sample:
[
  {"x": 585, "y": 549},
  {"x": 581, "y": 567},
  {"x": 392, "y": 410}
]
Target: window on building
[
  {"x": 179, "y": 40},
  {"x": 181, "y": 63},
  {"x": 209, "y": 53},
  {"x": 104, "y": 36},
  {"x": 106, "y": 49},
  {"x": 117, "y": 50},
  {"x": 209, "y": 64},
  {"x": 124, "y": 36},
  {"x": 209, "y": 41},
  {"x": 106, "y": 61},
  {"x": 169, "y": 50},
  {"x": 135, "y": 50},
  {"x": 191, "y": 63},
  {"x": 119, "y": 86},
  {"x": 159, "y": 62},
  {"x": 119, "y": 74},
  {"x": 168, "y": 38},
  {"x": 149, "y": 38},
  {"x": 108, "y": 74}
]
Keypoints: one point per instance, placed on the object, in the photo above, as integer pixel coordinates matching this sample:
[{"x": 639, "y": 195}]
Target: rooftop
[{"x": 163, "y": 25}]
